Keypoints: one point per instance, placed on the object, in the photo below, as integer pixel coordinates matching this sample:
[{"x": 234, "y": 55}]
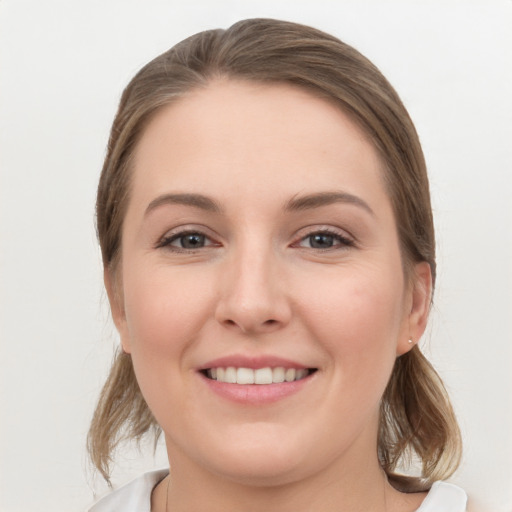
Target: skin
[{"x": 259, "y": 286}]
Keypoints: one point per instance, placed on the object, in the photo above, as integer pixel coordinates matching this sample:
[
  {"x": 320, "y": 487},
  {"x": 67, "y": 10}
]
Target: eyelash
[
  {"x": 343, "y": 241},
  {"x": 166, "y": 241}
]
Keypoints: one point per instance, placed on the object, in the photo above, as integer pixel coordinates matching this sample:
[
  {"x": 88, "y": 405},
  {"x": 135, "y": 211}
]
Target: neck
[{"x": 339, "y": 487}]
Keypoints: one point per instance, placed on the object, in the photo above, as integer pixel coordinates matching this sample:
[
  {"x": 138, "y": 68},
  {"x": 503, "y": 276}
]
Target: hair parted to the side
[{"x": 416, "y": 416}]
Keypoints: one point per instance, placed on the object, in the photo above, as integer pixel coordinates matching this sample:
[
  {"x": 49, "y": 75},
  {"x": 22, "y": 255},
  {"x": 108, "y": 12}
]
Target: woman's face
[{"x": 260, "y": 245}]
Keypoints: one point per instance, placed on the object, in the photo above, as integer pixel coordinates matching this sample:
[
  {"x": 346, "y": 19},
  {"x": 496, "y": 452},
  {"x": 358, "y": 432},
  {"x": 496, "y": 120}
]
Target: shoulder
[
  {"x": 135, "y": 496},
  {"x": 444, "y": 497}
]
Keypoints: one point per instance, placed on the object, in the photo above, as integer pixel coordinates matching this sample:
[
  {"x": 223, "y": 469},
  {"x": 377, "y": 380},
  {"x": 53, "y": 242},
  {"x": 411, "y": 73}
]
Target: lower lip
[{"x": 256, "y": 394}]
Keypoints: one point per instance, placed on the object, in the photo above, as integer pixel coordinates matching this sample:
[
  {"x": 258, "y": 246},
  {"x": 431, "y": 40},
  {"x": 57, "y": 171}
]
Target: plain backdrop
[{"x": 63, "y": 65}]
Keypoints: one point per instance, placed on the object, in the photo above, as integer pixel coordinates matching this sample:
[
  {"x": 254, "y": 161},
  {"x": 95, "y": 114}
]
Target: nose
[{"x": 253, "y": 297}]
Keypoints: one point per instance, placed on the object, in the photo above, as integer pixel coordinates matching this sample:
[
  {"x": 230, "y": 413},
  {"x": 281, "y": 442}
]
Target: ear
[
  {"x": 113, "y": 287},
  {"x": 418, "y": 303}
]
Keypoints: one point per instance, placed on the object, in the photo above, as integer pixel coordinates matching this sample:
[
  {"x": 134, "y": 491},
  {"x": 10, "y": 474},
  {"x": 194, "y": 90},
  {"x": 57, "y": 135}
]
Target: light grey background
[{"x": 63, "y": 65}]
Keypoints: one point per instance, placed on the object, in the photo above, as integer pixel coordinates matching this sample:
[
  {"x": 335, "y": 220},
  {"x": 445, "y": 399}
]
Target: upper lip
[{"x": 255, "y": 362}]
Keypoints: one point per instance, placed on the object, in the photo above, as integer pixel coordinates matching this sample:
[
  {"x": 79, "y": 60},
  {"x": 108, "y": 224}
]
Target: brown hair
[{"x": 416, "y": 417}]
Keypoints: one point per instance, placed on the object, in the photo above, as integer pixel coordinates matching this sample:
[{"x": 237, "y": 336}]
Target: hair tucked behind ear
[
  {"x": 416, "y": 415},
  {"x": 416, "y": 418}
]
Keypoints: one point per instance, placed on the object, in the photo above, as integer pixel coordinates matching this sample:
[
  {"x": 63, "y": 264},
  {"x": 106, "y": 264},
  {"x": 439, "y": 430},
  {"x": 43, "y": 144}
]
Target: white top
[{"x": 136, "y": 496}]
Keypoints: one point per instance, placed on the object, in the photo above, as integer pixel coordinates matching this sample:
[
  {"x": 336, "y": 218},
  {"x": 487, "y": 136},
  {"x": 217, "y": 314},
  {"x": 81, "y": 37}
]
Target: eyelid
[
  {"x": 347, "y": 239},
  {"x": 190, "y": 229}
]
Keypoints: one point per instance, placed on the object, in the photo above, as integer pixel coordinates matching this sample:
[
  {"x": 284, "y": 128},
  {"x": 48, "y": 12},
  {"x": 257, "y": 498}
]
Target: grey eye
[
  {"x": 324, "y": 240},
  {"x": 321, "y": 241},
  {"x": 190, "y": 241}
]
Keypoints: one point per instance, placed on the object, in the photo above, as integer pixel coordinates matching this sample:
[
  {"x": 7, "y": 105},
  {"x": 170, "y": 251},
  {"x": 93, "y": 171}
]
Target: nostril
[{"x": 248, "y": 326}]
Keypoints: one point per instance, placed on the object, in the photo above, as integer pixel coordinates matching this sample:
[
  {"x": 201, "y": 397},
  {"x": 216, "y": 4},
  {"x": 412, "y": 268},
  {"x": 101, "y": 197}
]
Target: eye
[
  {"x": 185, "y": 241},
  {"x": 323, "y": 240}
]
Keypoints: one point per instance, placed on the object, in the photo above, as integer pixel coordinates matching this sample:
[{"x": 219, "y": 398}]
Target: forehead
[
  {"x": 250, "y": 136},
  {"x": 285, "y": 108}
]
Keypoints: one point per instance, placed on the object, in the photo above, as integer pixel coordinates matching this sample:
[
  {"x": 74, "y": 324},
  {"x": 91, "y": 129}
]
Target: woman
[{"x": 267, "y": 237}]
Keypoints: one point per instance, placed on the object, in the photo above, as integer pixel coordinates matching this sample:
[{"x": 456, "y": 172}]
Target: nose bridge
[{"x": 253, "y": 297}]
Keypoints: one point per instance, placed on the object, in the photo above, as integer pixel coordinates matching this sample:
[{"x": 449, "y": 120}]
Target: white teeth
[
  {"x": 278, "y": 374},
  {"x": 300, "y": 374},
  {"x": 267, "y": 375},
  {"x": 289, "y": 375},
  {"x": 230, "y": 375},
  {"x": 263, "y": 376},
  {"x": 244, "y": 376}
]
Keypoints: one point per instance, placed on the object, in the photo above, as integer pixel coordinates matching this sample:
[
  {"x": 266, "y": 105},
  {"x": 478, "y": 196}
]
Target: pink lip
[
  {"x": 240, "y": 361},
  {"x": 254, "y": 394}
]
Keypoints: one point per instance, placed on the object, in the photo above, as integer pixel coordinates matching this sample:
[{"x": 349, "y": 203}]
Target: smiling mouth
[{"x": 261, "y": 376}]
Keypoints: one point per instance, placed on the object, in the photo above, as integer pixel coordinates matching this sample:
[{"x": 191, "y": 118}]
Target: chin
[
  {"x": 265, "y": 460},
  {"x": 269, "y": 471}
]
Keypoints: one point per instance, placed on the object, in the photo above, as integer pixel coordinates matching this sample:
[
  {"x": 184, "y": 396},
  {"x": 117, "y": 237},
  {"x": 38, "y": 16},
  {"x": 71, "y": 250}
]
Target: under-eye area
[{"x": 267, "y": 375}]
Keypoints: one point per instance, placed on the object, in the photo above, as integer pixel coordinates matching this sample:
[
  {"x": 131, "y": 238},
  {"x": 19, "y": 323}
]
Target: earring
[{"x": 410, "y": 341}]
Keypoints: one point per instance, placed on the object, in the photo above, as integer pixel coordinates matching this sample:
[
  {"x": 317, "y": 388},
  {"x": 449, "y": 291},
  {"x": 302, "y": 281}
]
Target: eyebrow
[
  {"x": 307, "y": 202},
  {"x": 195, "y": 200},
  {"x": 320, "y": 199}
]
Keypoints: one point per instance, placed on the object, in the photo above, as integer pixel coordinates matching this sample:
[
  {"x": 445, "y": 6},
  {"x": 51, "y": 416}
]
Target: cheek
[
  {"x": 165, "y": 312},
  {"x": 357, "y": 315},
  {"x": 164, "y": 309}
]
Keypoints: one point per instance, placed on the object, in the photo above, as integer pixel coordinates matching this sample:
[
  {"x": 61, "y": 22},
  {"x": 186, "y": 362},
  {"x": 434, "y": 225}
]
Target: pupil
[
  {"x": 192, "y": 241},
  {"x": 321, "y": 241}
]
